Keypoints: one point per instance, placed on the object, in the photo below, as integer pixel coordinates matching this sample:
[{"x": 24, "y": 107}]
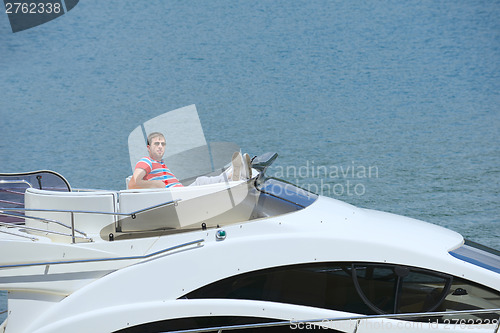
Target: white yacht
[{"x": 255, "y": 255}]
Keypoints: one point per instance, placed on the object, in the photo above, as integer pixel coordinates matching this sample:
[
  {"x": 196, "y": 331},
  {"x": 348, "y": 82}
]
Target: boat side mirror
[{"x": 262, "y": 162}]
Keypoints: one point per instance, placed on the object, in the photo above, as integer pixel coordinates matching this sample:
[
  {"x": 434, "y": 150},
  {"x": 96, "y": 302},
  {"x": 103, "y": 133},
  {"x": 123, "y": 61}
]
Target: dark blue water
[{"x": 389, "y": 105}]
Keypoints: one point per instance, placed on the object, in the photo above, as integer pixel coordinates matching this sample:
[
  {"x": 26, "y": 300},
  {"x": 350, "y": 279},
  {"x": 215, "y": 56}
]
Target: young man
[{"x": 151, "y": 171}]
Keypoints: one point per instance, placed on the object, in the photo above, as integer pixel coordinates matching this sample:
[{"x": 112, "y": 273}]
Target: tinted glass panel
[
  {"x": 465, "y": 295},
  {"x": 400, "y": 289},
  {"x": 288, "y": 192},
  {"x": 422, "y": 292},
  {"x": 320, "y": 285},
  {"x": 357, "y": 288},
  {"x": 378, "y": 285}
]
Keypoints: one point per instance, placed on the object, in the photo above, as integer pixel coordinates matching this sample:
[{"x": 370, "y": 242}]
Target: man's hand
[{"x": 137, "y": 181}]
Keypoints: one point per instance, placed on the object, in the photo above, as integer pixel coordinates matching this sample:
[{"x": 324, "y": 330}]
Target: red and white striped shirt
[{"x": 157, "y": 170}]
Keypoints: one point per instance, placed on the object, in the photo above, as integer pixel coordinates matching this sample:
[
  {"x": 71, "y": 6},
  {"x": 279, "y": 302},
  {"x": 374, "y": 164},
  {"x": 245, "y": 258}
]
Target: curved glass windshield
[
  {"x": 187, "y": 152},
  {"x": 287, "y": 192}
]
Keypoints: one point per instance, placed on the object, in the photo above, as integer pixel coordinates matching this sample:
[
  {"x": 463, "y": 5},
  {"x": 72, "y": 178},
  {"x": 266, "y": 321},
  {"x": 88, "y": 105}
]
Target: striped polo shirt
[{"x": 157, "y": 170}]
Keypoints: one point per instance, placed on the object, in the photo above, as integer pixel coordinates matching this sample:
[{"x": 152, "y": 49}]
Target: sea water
[{"x": 387, "y": 105}]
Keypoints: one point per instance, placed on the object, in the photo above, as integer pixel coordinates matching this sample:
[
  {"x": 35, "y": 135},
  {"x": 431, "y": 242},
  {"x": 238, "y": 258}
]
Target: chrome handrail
[
  {"x": 2, "y": 211},
  {"x": 61, "y": 211},
  {"x": 133, "y": 215},
  {"x": 43, "y": 230},
  {"x": 357, "y": 319},
  {"x": 14, "y": 234},
  {"x": 168, "y": 203},
  {"x": 15, "y": 181}
]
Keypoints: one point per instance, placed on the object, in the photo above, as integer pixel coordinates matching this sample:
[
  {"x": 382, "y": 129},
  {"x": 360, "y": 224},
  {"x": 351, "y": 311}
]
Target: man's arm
[{"x": 137, "y": 181}]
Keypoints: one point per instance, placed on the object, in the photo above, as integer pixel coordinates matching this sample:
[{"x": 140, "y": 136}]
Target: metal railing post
[{"x": 73, "y": 240}]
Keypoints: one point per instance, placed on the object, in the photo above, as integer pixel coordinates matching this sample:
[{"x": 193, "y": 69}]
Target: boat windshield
[
  {"x": 479, "y": 255},
  {"x": 287, "y": 192},
  {"x": 187, "y": 152}
]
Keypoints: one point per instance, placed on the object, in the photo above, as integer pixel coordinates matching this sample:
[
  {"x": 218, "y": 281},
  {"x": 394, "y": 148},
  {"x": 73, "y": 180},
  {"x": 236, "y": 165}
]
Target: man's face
[{"x": 156, "y": 148}]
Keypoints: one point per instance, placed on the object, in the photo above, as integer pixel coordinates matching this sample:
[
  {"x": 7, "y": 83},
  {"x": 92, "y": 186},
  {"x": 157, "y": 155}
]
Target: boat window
[
  {"x": 466, "y": 295},
  {"x": 320, "y": 285},
  {"x": 376, "y": 284},
  {"x": 363, "y": 288},
  {"x": 400, "y": 289}
]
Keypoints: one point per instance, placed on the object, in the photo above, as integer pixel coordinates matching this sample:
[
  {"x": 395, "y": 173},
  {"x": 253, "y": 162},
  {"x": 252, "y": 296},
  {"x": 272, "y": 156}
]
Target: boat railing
[
  {"x": 356, "y": 321},
  {"x": 14, "y": 185},
  {"x": 15, "y": 181},
  {"x": 71, "y": 228}
]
